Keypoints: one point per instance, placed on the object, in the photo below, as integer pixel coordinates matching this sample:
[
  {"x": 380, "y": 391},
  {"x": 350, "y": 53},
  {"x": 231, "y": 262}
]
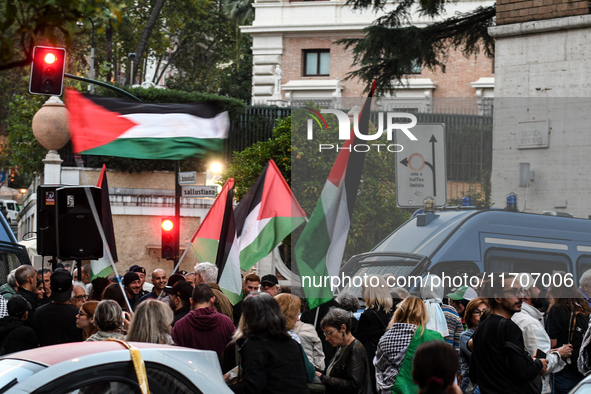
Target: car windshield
[{"x": 15, "y": 371}]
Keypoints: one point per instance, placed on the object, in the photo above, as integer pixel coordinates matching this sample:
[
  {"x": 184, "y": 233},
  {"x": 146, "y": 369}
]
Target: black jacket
[
  {"x": 272, "y": 366},
  {"x": 350, "y": 372},
  {"x": 372, "y": 325},
  {"x": 21, "y": 337},
  {"x": 33, "y": 300}
]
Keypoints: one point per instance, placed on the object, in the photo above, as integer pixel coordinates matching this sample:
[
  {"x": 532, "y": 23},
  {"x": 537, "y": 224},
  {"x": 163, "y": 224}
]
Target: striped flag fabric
[
  {"x": 266, "y": 214},
  {"x": 102, "y": 267},
  {"x": 117, "y": 127},
  {"x": 319, "y": 250},
  {"x": 213, "y": 241}
]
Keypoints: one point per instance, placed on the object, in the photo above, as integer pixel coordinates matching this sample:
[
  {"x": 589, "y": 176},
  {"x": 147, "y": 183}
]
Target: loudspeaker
[
  {"x": 77, "y": 234},
  {"x": 46, "y": 224}
]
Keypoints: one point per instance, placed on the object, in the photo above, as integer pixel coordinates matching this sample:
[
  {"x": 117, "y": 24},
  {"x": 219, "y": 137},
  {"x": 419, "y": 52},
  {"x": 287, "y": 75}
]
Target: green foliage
[
  {"x": 391, "y": 46},
  {"x": 247, "y": 165},
  {"x": 21, "y": 148},
  {"x": 26, "y": 23}
]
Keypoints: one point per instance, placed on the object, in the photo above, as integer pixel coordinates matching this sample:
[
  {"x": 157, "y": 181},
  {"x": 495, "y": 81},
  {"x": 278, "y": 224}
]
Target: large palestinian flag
[
  {"x": 320, "y": 248},
  {"x": 265, "y": 216},
  {"x": 116, "y": 127}
]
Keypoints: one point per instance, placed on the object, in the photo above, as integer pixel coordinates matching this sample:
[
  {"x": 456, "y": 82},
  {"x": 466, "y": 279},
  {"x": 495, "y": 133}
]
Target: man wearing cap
[
  {"x": 269, "y": 285},
  {"x": 141, "y": 271},
  {"x": 179, "y": 299},
  {"x": 15, "y": 335},
  {"x": 55, "y": 322},
  {"x": 531, "y": 322},
  {"x": 131, "y": 281},
  {"x": 159, "y": 281},
  {"x": 460, "y": 298}
]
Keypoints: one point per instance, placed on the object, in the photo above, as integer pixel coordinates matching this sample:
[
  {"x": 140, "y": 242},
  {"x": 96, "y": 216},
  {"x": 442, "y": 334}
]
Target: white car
[{"x": 106, "y": 368}]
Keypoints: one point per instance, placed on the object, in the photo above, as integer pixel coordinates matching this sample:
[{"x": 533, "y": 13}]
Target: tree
[
  {"x": 390, "y": 47},
  {"x": 26, "y": 23}
]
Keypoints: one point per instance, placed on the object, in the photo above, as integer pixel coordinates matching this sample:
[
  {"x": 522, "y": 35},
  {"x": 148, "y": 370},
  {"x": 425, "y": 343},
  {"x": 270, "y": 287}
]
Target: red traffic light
[
  {"x": 167, "y": 225},
  {"x": 47, "y": 71}
]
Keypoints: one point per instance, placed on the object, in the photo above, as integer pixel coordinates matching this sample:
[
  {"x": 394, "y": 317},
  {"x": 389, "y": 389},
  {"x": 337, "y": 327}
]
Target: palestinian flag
[
  {"x": 116, "y": 127},
  {"x": 265, "y": 216},
  {"x": 102, "y": 267},
  {"x": 320, "y": 248},
  {"x": 213, "y": 241}
]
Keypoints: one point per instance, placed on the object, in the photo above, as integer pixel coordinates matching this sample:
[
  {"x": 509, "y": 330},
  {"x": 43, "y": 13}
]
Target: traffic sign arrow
[{"x": 404, "y": 161}]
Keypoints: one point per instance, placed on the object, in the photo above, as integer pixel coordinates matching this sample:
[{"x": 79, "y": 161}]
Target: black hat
[
  {"x": 129, "y": 278},
  {"x": 137, "y": 268},
  {"x": 181, "y": 289},
  {"x": 17, "y": 306},
  {"x": 271, "y": 279},
  {"x": 172, "y": 280},
  {"x": 61, "y": 285}
]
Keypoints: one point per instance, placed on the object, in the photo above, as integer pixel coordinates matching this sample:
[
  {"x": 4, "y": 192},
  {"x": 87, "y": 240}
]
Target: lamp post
[{"x": 91, "y": 55}]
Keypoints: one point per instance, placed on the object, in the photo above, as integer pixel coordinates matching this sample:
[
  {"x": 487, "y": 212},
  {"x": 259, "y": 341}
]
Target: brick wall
[
  {"x": 455, "y": 82},
  {"x": 517, "y": 11}
]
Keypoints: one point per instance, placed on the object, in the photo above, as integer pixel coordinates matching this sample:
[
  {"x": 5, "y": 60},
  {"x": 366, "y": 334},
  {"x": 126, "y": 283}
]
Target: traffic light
[
  {"x": 47, "y": 71},
  {"x": 169, "y": 229}
]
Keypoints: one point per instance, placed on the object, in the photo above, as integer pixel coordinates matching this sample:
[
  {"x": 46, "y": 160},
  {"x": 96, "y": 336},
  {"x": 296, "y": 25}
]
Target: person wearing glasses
[
  {"x": 499, "y": 363},
  {"x": 472, "y": 315},
  {"x": 348, "y": 371},
  {"x": 530, "y": 321},
  {"x": 78, "y": 295},
  {"x": 85, "y": 319}
]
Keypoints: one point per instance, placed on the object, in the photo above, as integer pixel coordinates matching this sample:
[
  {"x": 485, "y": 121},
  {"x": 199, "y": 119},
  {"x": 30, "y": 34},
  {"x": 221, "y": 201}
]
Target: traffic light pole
[
  {"x": 103, "y": 84},
  {"x": 177, "y": 211}
]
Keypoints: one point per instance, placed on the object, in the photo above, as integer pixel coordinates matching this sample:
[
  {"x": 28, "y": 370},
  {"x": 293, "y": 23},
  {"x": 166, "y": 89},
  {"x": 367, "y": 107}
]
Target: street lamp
[{"x": 91, "y": 52}]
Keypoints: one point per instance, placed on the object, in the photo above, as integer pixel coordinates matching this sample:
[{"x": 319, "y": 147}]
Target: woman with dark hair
[
  {"x": 568, "y": 310},
  {"x": 472, "y": 315},
  {"x": 98, "y": 287},
  {"x": 434, "y": 368},
  {"x": 348, "y": 371},
  {"x": 271, "y": 360},
  {"x": 396, "y": 349},
  {"x": 113, "y": 292}
]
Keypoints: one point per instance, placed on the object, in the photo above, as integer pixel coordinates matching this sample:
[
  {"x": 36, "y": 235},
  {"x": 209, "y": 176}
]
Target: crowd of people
[{"x": 502, "y": 337}]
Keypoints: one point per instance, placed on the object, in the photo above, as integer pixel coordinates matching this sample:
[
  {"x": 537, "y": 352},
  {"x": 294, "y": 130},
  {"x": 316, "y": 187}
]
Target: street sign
[
  {"x": 187, "y": 178},
  {"x": 420, "y": 166},
  {"x": 199, "y": 191}
]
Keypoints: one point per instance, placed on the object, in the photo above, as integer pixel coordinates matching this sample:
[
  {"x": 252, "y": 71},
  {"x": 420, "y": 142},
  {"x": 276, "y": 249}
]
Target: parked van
[
  {"x": 457, "y": 242},
  {"x": 12, "y": 209}
]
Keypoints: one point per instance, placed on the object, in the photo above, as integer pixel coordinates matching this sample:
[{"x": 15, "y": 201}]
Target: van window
[
  {"x": 10, "y": 206},
  {"x": 583, "y": 264},
  {"x": 507, "y": 260}
]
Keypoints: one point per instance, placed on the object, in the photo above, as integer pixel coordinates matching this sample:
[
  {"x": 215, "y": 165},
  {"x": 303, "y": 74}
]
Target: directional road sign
[{"x": 420, "y": 166}]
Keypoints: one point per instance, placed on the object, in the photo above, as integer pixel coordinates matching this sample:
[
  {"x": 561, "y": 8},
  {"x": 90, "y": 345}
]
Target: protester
[
  {"x": 85, "y": 319},
  {"x": 85, "y": 274},
  {"x": 113, "y": 292},
  {"x": 40, "y": 290},
  {"x": 271, "y": 361},
  {"x": 98, "y": 287},
  {"x": 151, "y": 323},
  {"x": 270, "y": 285},
  {"x": 108, "y": 319},
  {"x": 55, "y": 322},
  {"x": 203, "y": 328},
  {"x": 348, "y": 371},
  {"x": 434, "y": 368},
  {"x": 8, "y": 289},
  {"x": 290, "y": 307},
  {"x": 44, "y": 275},
  {"x": 349, "y": 302},
  {"x": 432, "y": 293},
  {"x": 499, "y": 361},
  {"x": 530, "y": 321},
  {"x": 190, "y": 278},
  {"x": 78, "y": 294},
  {"x": 159, "y": 281},
  {"x": 460, "y": 298},
  {"x": 132, "y": 284},
  {"x": 398, "y": 295},
  {"x": 15, "y": 335},
  {"x": 208, "y": 273},
  {"x": 179, "y": 299},
  {"x": 251, "y": 284},
  {"x": 396, "y": 349},
  {"x": 311, "y": 343},
  {"x": 373, "y": 322},
  {"x": 567, "y": 321},
  {"x": 472, "y": 315},
  {"x": 26, "y": 278},
  {"x": 584, "y": 286},
  {"x": 314, "y": 317}
]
